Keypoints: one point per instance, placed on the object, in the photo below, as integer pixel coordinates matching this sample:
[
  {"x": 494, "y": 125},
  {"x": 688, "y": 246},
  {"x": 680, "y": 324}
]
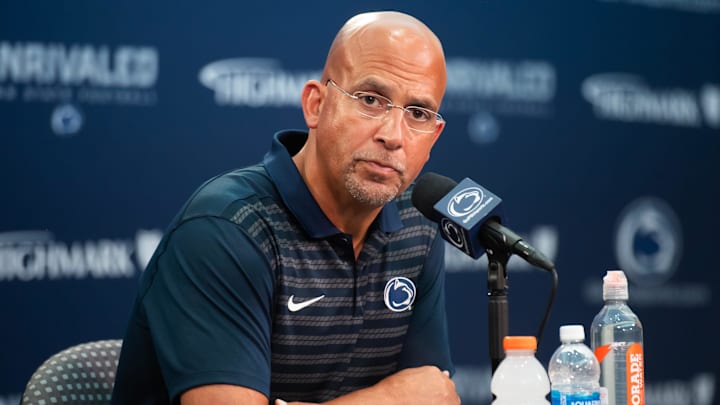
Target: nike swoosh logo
[{"x": 296, "y": 306}]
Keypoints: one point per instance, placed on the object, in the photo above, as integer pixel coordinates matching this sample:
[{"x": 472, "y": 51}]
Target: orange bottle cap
[{"x": 519, "y": 343}]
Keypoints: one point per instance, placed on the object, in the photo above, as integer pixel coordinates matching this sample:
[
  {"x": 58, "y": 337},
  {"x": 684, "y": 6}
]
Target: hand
[
  {"x": 412, "y": 386},
  {"x": 420, "y": 385}
]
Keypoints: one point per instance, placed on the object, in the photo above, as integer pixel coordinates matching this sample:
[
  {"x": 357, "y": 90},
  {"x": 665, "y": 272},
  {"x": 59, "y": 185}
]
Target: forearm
[
  {"x": 416, "y": 386},
  {"x": 372, "y": 395}
]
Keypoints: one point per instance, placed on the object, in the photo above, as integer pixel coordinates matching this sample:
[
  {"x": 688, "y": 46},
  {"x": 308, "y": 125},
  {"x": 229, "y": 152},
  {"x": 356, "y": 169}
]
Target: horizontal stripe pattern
[{"x": 349, "y": 339}]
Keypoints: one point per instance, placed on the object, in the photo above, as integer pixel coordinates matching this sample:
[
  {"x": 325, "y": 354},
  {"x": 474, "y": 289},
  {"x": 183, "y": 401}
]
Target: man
[{"x": 310, "y": 276}]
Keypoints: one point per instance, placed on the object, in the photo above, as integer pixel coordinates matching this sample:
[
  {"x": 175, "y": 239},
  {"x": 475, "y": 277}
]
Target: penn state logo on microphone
[
  {"x": 399, "y": 294},
  {"x": 454, "y": 234},
  {"x": 465, "y": 202},
  {"x": 464, "y": 205}
]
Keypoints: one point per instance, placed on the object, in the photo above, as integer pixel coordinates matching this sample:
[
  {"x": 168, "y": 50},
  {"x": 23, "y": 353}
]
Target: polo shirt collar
[{"x": 297, "y": 197}]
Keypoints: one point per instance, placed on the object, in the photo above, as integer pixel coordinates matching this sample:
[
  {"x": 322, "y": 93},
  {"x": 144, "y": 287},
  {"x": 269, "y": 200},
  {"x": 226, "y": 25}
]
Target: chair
[{"x": 82, "y": 374}]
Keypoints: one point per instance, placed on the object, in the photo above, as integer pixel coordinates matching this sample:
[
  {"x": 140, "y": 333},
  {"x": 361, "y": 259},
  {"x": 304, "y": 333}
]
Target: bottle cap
[
  {"x": 572, "y": 332},
  {"x": 519, "y": 343},
  {"x": 615, "y": 286}
]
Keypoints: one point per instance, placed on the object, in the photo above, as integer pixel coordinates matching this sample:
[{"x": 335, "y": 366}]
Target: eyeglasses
[{"x": 373, "y": 105}]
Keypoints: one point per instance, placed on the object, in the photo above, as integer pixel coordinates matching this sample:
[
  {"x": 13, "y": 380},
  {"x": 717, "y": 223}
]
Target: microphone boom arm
[{"x": 497, "y": 284}]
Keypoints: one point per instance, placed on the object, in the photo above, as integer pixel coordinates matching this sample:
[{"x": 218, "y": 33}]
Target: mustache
[{"x": 381, "y": 158}]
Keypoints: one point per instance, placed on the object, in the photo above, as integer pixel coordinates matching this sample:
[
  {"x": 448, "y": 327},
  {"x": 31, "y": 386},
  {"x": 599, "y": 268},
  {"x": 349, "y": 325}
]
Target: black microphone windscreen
[{"x": 429, "y": 189}]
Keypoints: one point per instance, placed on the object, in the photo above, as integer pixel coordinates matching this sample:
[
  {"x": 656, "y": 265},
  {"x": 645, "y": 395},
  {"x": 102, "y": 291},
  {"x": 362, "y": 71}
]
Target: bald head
[
  {"x": 388, "y": 34},
  {"x": 389, "y": 21}
]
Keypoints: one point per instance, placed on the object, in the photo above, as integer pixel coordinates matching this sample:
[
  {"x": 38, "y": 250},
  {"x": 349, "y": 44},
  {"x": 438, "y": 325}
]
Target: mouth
[
  {"x": 381, "y": 164},
  {"x": 382, "y": 167}
]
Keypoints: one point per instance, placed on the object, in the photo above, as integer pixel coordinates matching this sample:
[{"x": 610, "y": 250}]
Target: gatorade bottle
[
  {"x": 520, "y": 379},
  {"x": 617, "y": 339}
]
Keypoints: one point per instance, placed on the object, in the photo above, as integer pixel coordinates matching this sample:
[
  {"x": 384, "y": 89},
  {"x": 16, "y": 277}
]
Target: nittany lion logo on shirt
[{"x": 399, "y": 294}]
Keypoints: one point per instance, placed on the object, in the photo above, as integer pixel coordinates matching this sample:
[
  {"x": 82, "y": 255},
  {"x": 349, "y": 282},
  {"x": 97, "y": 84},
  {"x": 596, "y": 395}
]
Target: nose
[{"x": 392, "y": 130}]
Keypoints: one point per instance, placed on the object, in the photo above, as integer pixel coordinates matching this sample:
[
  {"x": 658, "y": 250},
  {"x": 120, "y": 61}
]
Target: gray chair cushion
[{"x": 82, "y": 374}]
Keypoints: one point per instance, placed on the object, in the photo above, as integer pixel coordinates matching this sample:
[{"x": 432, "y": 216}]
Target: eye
[
  {"x": 420, "y": 114},
  {"x": 370, "y": 100}
]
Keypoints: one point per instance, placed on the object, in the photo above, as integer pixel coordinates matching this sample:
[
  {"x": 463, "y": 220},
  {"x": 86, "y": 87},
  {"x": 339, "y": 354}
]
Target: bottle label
[
  {"x": 635, "y": 375},
  {"x": 602, "y": 351},
  {"x": 569, "y": 398},
  {"x": 634, "y": 372}
]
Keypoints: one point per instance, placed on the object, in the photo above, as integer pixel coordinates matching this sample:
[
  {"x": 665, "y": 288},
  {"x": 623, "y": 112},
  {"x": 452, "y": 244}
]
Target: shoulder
[{"x": 223, "y": 195}]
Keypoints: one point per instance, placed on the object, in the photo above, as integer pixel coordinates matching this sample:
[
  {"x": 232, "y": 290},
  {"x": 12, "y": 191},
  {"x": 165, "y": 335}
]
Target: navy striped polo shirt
[{"x": 252, "y": 285}]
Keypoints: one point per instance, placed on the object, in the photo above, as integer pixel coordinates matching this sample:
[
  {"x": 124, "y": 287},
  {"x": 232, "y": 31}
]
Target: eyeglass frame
[{"x": 389, "y": 106}]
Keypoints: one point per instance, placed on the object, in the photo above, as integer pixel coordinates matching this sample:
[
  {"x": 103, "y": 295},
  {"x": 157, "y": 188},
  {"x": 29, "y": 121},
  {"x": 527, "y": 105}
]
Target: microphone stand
[{"x": 498, "y": 313}]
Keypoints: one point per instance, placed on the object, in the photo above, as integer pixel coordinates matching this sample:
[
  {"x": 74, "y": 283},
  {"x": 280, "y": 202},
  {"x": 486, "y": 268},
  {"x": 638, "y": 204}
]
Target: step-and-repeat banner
[{"x": 597, "y": 123}]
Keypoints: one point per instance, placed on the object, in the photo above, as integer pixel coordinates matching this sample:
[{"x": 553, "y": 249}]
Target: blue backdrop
[{"x": 597, "y": 122}]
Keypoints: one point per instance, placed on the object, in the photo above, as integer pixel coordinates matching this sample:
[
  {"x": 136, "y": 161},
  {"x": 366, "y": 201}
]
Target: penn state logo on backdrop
[
  {"x": 648, "y": 241},
  {"x": 66, "y": 120},
  {"x": 399, "y": 294}
]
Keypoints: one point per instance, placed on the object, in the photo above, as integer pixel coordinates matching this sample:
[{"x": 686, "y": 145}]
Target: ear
[
  {"x": 438, "y": 131},
  {"x": 435, "y": 137},
  {"x": 312, "y": 97}
]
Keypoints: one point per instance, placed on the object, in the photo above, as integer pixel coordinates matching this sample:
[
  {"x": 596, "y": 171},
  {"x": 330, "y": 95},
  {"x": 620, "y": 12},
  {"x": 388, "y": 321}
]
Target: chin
[
  {"x": 373, "y": 192},
  {"x": 377, "y": 196}
]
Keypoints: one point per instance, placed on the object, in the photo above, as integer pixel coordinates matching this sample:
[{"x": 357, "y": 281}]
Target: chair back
[{"x": 82, "y": 374}]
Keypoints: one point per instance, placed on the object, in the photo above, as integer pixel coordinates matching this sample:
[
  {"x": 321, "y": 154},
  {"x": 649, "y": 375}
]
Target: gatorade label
[
  {"x": 634, "y": 373},
  {"x": 602, "y": 351},
  {"x": 566, "y": 398}
]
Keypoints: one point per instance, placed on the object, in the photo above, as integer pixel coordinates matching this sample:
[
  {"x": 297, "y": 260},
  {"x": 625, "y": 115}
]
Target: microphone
[{"x": 469, "y": 217}]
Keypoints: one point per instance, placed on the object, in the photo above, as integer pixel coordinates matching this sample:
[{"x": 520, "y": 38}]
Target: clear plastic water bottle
[
  {"x": 617, "y": 339},
  {"x": 520, "y": 379},
  {"x": 574, "y": 370}
]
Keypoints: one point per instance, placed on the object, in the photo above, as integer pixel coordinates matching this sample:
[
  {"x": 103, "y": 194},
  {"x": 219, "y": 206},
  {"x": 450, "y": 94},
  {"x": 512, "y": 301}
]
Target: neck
[{"x": 346, "y": 213}]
